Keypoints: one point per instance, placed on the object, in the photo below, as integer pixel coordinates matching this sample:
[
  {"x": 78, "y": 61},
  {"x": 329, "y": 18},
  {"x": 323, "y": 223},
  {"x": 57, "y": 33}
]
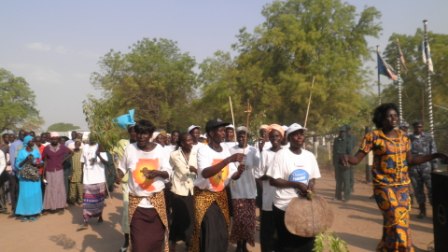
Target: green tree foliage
[
  {"x": 298, "y": 41},
  {"x": 415, "y": 103},
  {"x": 155, "y": 78},
  {"x": 60, "y": 127},
  {"x": 17, "y": 103}
]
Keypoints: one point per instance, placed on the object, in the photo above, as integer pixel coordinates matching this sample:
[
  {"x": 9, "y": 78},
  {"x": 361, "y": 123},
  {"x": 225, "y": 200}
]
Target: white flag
[{"x": 426, "y": 55}]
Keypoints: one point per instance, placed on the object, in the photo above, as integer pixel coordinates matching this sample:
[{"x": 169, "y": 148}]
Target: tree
[
  {"x": 60, "y": 127},
  {"x": 155, "y": 78},
  {"x": 17, "y": 103},
  {"x": 302, "y": 40},
  {"x": 415, "y": 103}
]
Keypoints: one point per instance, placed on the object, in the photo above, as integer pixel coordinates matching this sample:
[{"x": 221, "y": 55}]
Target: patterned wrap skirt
[
  {"x": 244, "y": 219},
  {"x": 395, "y": 205},
  {"x": 203, "y": 200},
  {"x": 93, "y": 200},
  {"x": 158, "y": 201}
]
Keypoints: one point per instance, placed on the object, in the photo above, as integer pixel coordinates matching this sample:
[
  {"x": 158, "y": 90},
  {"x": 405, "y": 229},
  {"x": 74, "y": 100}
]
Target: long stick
[
  {"x": 309, "y": 102},
  {"x": 379, "y": 83},
  {"x": 233, "y": 116},
  {"x": 248, "y": 111}
]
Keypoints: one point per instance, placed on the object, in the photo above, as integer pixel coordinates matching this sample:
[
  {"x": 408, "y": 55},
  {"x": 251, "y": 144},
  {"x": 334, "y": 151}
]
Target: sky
[{"x": 56, "y": 45}]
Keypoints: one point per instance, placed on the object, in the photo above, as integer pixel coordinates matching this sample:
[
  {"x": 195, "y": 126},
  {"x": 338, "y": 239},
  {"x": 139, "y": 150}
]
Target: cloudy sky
[{"x": 56, "y": 45}]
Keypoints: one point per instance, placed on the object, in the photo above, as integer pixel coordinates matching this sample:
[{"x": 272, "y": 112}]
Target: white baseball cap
[
  {"x": 293, "y": 128},
  {"x": 192, "y": 127}
]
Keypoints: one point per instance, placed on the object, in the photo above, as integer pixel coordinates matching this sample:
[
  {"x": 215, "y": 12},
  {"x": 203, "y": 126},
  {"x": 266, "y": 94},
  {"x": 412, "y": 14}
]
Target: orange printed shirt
[
  {"x": 390, "y": 167},
  {"x": 135, "y": 161},
  {"x": 208, "y": 157}
]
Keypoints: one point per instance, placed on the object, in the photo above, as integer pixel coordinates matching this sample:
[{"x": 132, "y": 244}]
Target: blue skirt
[{"x": 30, "y": 198}]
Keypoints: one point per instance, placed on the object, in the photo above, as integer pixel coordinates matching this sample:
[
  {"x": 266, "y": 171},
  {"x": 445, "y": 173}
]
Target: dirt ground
[{"x": 358, "y": 222}]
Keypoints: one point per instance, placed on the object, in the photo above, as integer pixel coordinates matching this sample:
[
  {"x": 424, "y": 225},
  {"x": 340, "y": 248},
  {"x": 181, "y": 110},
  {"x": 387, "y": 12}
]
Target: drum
[{"x": 308, "y": 217}]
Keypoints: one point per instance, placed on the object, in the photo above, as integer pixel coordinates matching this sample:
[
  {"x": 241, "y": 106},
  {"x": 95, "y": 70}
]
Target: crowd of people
[
  {"x": 46, "y": 173},
  {"x": 203, "y": 189}
]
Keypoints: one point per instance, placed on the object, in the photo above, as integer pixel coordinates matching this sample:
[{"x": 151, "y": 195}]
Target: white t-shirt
[
  {"x": 292, "y": 167},
  {"x": 245, "y": 187},
  {"x": 208, "y": 157},
  {"x": 267, "y": 145},
  {"x": 266, "y": 161},
  {"x": 134, "y": 161},
  {"x": 2, "y": 162},
  {"x": 229, "y": 145},
  {"x": 93, "y": 169}
]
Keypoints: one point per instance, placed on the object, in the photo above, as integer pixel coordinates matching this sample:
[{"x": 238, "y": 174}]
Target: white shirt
[
  {"x": 245, "y": 187},
  {"x": 93, "y": 169},
  {"x": 182, "y": 179},
  {"x": 2, "y": 162},
  {"x": 208, "y": 157},
  {"x": 292, "y": 167},
  {"x": 229, "y": 145},
  {"x": 266, "y": 161},
  {"x": 135, "y": 160},
  {"x": 267, "y": 145}
]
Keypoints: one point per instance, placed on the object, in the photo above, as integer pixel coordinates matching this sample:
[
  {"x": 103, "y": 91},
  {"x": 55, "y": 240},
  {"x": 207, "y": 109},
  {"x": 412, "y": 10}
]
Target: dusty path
[{"x": 358, "y": 222}]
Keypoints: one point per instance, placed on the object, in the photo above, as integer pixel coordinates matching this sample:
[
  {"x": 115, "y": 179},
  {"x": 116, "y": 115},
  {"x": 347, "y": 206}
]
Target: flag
[
  {"x": 126, "y": 120},
  {"x": 402, "y": 61},
  {"x": 426, "y": 55},
  {"x": 385, "y": 69}
]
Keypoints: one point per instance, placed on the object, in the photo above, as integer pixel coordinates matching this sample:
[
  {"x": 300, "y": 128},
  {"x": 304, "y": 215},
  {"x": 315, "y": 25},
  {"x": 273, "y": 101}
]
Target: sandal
[{"x": 83, "y": 226}]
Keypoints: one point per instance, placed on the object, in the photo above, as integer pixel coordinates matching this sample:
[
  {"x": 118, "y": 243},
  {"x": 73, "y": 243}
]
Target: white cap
[
  {"x": 230, "y": 126},
  {"x": 285, "y": 128},
  {"x": 294, "y": 127},
  {"x": 192, "y": 127},
  {"x": 242, "y": 128}
]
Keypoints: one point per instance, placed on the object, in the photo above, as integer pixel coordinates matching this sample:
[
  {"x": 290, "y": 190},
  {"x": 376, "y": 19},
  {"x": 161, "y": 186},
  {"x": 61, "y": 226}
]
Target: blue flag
[
  {"x": 385, "y": 69},
  {"x": 126, "y": 120}
]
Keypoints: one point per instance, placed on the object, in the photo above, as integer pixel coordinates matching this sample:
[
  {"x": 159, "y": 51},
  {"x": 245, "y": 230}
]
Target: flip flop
[{"x": 82, "y": 227}]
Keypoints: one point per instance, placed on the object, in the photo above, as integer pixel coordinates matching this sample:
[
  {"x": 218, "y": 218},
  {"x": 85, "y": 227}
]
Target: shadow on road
[{"x": 359, "y": 241}]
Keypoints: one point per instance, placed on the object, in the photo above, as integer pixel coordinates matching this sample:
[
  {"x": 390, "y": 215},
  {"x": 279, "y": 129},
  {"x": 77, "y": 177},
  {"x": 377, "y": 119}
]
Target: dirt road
[{"x": 358, "y": 222}]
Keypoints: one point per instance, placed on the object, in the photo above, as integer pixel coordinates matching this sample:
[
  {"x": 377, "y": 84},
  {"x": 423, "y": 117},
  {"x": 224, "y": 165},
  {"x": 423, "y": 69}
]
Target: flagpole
[
  {"x": 400, "y": 102},
  {"x": 428, "y": 79},
  {"x": 379, "y": 83}
]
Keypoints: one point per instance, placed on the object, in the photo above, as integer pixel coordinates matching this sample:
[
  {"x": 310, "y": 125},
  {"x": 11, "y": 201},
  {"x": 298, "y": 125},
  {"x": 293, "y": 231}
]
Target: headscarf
[
  {"x": 264, "y": 126},
  {"x": 278, "y": 128},
  {"x": 26, "y": 140}
]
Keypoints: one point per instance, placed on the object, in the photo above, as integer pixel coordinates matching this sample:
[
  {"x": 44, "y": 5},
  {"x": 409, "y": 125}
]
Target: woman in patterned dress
[{"x": 392, "y": 157}]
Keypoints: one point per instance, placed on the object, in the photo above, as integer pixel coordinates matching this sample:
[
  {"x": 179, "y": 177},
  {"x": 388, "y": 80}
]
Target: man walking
[
  {"x": 422, "y": 144},
  {"x": 342, "y": 173}
]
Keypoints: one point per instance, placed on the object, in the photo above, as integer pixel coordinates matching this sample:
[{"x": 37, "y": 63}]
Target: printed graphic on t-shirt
[
  {"x": 299, "y": 175},
  {"x": 139, "y": 177},
  {"x": 217, "y": 181}
]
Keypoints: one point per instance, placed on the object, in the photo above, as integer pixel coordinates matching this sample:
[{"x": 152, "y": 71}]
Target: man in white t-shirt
[
  {"x": 244, "y": 192},
  {"x": 293, "y": 173},
  {"x": 230, "y": 137},
  {"x": 215, "y": 170},
  {"x": 267, "y": 229},
  {"x": 148, "y": 169}
]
